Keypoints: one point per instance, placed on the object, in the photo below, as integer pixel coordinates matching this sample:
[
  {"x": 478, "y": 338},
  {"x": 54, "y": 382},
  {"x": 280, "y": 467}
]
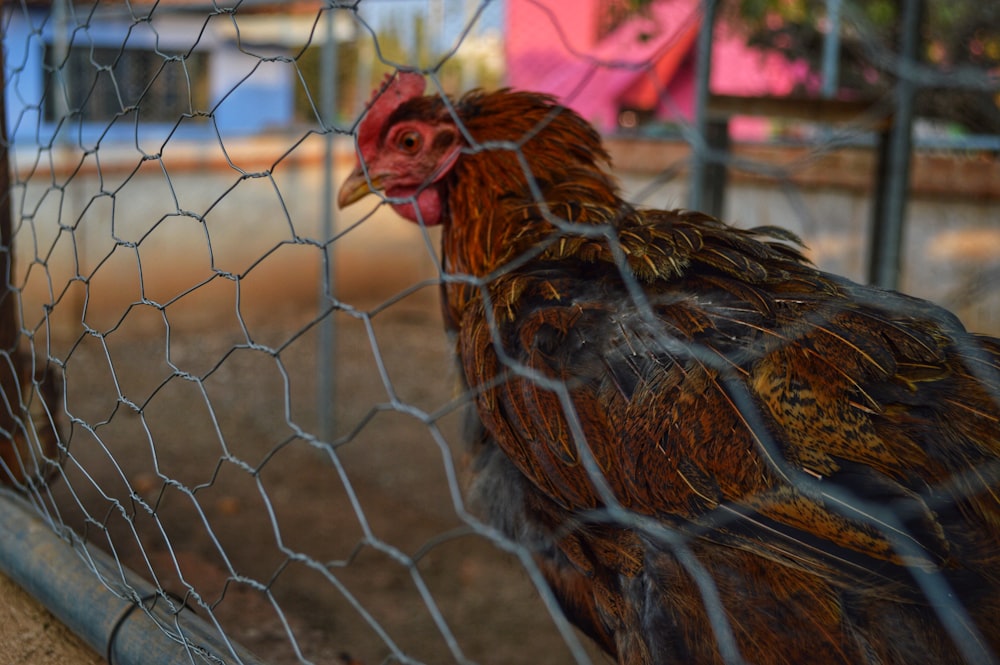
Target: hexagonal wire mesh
[{"x": 172, "y": 174}]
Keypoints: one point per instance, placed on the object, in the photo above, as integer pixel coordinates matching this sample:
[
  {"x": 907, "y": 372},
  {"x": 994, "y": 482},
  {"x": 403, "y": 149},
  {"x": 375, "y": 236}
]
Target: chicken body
[{"x": 715, "y": 451}]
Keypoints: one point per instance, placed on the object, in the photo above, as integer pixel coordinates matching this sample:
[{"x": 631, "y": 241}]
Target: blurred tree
[
  {"x": 370, "y": 59},
  {"x": 391, "y": 49},
  {"x": 307, "y": 92},
  {"x": 957, "y": 35}
]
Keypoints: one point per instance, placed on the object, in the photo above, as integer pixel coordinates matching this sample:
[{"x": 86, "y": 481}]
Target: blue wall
[{"x": 248, "y": 93}]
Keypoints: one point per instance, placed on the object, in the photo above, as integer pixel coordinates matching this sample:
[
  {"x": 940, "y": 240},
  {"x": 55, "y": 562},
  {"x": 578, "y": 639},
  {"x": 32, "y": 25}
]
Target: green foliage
[
  {"x": 308, "y": 91},
  {"x": 361, "y": 58},
  {"x": 958, "y": 34}
]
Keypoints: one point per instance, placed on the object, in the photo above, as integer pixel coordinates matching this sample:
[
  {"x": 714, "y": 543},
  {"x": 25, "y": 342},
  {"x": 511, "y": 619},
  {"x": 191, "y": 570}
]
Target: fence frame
[{"x": 107, "y": 605}]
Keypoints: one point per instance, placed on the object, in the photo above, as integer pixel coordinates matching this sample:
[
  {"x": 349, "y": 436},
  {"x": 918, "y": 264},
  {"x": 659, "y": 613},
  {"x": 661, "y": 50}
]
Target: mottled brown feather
[{"x": 636, "y": 371}]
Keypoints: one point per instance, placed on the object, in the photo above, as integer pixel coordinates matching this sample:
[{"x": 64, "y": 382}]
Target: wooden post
[{"x": 10, "y": 394}]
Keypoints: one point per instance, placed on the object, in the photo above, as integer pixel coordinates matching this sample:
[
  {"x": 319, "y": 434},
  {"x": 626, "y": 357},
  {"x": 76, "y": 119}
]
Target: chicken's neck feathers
[{"x": 534, "y": 186}]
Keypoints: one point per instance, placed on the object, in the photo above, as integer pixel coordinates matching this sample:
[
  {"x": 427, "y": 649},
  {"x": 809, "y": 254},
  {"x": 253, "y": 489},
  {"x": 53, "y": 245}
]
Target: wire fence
[{"x": 248, "y": 398}]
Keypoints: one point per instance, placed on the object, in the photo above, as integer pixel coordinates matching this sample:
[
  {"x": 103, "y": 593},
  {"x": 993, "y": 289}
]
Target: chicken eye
[{"x": 410, "y": 142}]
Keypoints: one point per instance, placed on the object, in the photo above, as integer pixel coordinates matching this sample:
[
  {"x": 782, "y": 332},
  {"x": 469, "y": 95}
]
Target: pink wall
[{"x": 551, "y": 46}]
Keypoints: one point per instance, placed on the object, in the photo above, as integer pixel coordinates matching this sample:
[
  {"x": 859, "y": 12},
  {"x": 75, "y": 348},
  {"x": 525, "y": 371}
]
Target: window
[{"x": 103, "y": 82}]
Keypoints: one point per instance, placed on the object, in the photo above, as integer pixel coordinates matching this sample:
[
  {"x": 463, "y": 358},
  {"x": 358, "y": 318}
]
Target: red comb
[{"x": 395, "y": 90}]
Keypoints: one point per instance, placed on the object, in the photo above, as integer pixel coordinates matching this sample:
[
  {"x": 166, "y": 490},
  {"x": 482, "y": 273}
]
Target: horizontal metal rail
[{"x": 99, "y": 599}]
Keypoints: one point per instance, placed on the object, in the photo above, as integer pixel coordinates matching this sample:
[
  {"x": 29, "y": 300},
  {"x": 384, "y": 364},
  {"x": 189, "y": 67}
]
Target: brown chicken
[{"x": 716, "y": 452}]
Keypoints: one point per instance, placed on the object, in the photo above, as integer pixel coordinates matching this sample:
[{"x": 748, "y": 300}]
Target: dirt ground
[
  {"x": 32, "y": 636},
  {"x": 301, "y": 554}
]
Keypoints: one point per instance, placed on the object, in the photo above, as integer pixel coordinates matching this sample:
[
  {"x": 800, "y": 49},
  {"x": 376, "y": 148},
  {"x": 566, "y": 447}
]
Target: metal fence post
[
  {"x": 700, "y": 157},
  {"x": 326, "y": 367},
  {"x": 890, "y": 204},
  {"x": 831, "y": 49}
]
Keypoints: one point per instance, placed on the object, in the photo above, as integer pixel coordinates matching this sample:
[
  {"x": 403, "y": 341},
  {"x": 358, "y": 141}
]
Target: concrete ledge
[{"x": 32, "y": 636}]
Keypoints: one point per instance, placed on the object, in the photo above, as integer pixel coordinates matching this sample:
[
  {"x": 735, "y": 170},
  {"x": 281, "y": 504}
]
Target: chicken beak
[{"x": 356, "y": 187}]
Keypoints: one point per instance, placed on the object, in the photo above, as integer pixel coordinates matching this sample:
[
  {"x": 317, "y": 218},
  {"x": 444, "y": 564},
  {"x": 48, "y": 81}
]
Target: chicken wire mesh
[{"x": 170, "y": 171}]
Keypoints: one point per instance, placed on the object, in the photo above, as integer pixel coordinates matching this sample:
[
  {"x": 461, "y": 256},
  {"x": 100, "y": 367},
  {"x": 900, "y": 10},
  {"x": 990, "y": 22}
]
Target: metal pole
[
  {"x": 60, "y": 49},
  {"x": 699, "y": 158},
  {"x": 326, "y": 368},
  {"x": 831, "y": 49},
  {"x": 363, "y": 77},
  {"x": 435, "y": 28},
  {"x": 74, "y": 581},
  {"x": 887, "y": 227}
]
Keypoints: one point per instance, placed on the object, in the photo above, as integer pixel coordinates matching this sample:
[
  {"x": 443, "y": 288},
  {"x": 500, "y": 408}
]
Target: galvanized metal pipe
[
  {"x": 890, "y": 204},
  {"x": 74, "y": 582},
  {"x": 703, "y": 74},
  {"x": 831, "y": 49},
  {"x": 326, "y": 352}
]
